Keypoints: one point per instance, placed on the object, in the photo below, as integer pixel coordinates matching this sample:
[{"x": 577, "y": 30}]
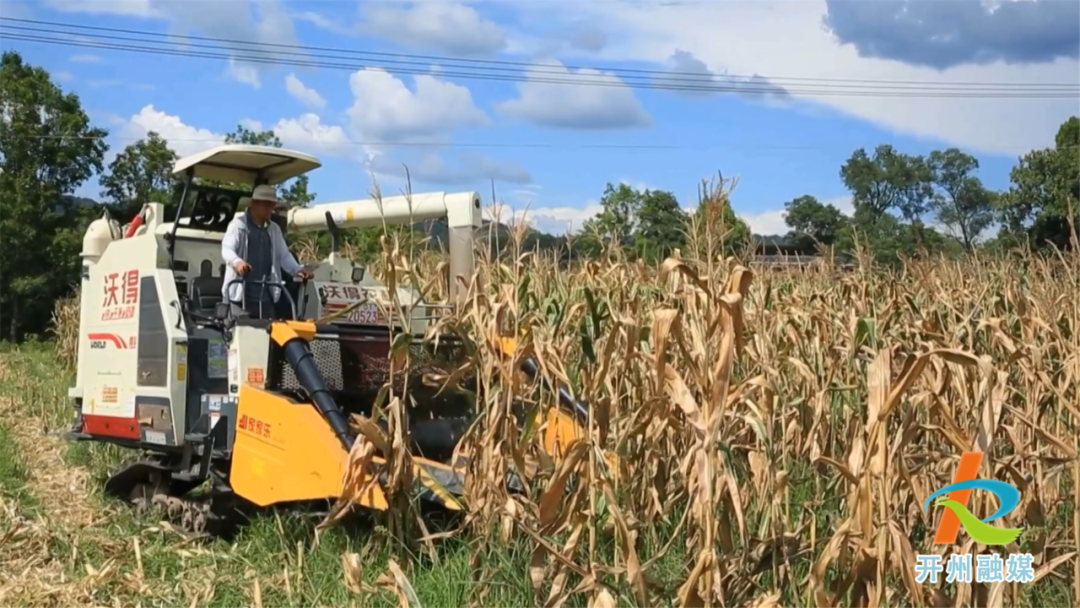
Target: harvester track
[
  {"x": 210, "y": 514},
  {"x": 149, "y": 486}
]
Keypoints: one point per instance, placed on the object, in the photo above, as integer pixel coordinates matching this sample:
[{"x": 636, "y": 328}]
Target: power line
[
  {"x": 267, "y": 57},
  {"x": 539, "y": 146},
  {"x": 750, "y": 89},
  {"x": 519, "y": 65}
]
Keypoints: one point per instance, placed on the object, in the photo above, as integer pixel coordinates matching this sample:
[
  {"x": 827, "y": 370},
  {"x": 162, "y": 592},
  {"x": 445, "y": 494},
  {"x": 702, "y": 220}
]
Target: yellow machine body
[{"x": 285, "y": 451}]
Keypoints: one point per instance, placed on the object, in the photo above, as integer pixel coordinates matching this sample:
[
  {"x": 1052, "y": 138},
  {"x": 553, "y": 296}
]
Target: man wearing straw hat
[{"x": 254, "y": 248}]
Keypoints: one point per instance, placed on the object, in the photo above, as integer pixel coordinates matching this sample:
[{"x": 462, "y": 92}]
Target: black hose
[
  {"x": 579, "y": 409},
  {"x": 307, "y": 373}
]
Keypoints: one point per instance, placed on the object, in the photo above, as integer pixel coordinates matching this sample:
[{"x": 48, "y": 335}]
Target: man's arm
[
  {"x": 230, "y": 244},
  {"x": 286, "y": 259}
]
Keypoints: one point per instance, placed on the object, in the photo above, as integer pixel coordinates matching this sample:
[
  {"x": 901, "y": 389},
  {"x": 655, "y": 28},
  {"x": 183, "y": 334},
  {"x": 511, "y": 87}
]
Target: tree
[
  {"x": 661, "y": 225},
  {"x": 887, "y": 181},
  {"x": 618, "y": 218},
  {"x": 48, "y": 148},
  {"x": 812, "y": 222},
  {"x": 142, "y": 173},
  {"x": 1046, "y": 191},
  {"x": 960, "y": 199}
]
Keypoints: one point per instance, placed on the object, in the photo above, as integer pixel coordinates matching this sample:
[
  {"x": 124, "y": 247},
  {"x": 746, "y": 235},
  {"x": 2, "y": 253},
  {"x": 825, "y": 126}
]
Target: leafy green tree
[
  {"x": 961, "y": 201},
  {"x": 813, "y": 222},
  {"x": 48, "y": 148},
  {"x": 661, "y": 225},
  {"x": 618, "y": 218},
  {"x": 888, "y": 180},
  {"x": 1045, "y": 190},
  {"x": 141, "y": 173}
]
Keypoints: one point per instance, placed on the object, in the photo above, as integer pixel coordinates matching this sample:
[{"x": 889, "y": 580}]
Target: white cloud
[
  {"x": 698, "y": 80},
  {"x": 131, "y": 8},
  {"x": 559, "y": 219},
  {"x": 183, "y": 138},
  {"x": 385, "y": 109},
  {"x": 85, "y": 58},
  {"x": 450, "y": 27},
  {"x": 259, "y": 21},
  {"x": 243, "y": 73},
  {"x": 771, "y": 222},
  {"x": 308, "y": 133},
  {"x": 766, "y": 222},
  {"x": 305, "y": 95},
  {"x": 576, "y": 106},
  {"x": 782, "y": 40},
  {"x": 468, "y": 169},
  {"x": 63, "y": 76}
]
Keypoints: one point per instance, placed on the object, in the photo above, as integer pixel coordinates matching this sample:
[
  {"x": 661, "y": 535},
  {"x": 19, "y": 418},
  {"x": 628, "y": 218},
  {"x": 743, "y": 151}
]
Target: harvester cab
[{"x": 259, "y": 408}]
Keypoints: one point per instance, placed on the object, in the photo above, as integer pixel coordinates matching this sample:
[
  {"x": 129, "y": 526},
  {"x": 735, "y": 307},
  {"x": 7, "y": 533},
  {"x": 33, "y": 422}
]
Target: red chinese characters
[
  {"x": 131, "y": 287},
  {"x": 110, "y": 290},
  {"x": 254, "y": 426},
  {"x": 121, "y": 295}
]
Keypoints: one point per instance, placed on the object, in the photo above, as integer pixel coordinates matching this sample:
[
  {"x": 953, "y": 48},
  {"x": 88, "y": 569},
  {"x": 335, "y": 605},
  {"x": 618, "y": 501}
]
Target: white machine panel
[{"x": 336, "y": 297}]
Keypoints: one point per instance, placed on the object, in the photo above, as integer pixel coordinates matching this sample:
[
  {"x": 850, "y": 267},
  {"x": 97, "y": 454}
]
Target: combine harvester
[{"x": 260, "y": 409}]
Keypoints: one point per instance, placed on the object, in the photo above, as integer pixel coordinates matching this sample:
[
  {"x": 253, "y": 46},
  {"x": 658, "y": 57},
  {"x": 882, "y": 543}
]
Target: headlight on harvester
[{"x": 357, "y": 274}]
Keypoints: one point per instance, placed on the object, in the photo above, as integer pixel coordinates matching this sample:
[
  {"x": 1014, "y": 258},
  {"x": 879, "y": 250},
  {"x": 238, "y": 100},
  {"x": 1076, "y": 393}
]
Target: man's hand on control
[
  {"x": 241, "y": 267},
  {"x": 304, "y": 274}
]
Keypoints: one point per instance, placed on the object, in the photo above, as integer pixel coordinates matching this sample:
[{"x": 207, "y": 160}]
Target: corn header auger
[{"x": 227, "y": 411}]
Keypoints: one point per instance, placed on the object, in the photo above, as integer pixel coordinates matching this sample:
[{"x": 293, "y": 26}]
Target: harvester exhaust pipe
[{"x": 302, "y": 361}]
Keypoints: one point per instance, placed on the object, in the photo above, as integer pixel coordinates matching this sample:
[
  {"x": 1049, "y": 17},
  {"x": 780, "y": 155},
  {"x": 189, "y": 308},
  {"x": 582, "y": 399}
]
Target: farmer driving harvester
[{"x": 254, "y": 248}]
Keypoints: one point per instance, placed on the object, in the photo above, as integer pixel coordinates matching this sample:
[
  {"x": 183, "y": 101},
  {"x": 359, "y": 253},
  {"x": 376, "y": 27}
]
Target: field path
[
  {"x": 57, "y": 510},
  {"x": 61, "y": 488}
]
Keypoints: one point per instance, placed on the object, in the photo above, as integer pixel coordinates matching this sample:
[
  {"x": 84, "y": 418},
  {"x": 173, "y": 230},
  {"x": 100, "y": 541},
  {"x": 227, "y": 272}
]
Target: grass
[
  {"x": 13, "y": 474},
  {"x": 777, "y": 433},
  {"x": 278, "y": 549}
]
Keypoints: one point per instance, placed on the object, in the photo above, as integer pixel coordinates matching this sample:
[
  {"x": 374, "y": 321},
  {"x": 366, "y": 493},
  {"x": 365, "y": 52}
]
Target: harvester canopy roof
[{"x": 244, "y": 164}]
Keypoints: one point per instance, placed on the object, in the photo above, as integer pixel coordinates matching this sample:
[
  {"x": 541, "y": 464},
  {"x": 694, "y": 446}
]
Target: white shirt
[{"x": 234, "y": 248}]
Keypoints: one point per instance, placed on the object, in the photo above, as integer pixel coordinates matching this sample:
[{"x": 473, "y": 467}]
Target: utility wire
[
  {"x": 748, "y": 89},
  {"x": 529, "y": 66},
  {"x": 538, "y": 146},
  {"x": 257, "y": 54}
]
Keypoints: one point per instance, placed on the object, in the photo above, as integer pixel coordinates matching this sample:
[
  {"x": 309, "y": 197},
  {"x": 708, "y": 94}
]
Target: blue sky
[{"x": 553, "y": 147}]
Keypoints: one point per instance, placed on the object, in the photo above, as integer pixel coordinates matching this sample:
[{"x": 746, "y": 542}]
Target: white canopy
[{"x": 244, "y": 164}]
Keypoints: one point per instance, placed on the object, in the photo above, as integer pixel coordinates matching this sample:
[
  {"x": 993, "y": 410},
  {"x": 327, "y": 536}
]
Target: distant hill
[{"x": 82, "y": 201}]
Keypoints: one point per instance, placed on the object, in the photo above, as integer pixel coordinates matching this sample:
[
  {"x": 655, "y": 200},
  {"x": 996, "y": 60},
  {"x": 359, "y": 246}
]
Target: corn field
[{"x": 778, "y": 431}]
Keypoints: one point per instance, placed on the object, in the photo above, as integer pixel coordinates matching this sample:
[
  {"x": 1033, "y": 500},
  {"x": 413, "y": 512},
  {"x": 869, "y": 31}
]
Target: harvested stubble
[{"x": 777, "y": 434}]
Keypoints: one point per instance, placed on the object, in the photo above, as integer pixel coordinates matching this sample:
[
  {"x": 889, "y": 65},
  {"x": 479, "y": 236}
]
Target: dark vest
[{"x": 260, "y": 257}]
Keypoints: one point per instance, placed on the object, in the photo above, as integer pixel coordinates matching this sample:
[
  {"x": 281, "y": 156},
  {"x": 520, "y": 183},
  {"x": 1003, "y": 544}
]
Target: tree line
[{"x": 49, "y": 148}]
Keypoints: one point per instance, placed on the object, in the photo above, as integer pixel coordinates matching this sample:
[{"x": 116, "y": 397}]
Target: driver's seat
[{"x": 205, "y": 295}]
